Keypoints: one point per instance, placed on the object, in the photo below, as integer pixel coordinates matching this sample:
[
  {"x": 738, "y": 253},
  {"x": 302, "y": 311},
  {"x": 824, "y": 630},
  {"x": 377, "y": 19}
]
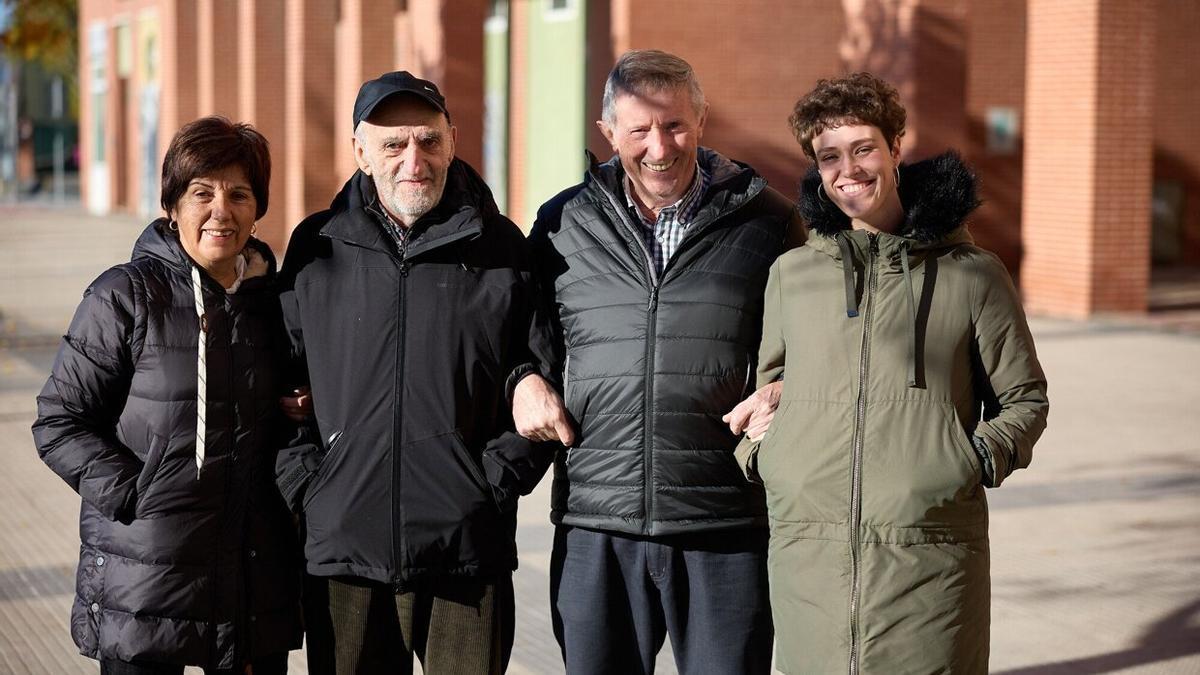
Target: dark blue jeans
[{"x": 616, "y": 597}]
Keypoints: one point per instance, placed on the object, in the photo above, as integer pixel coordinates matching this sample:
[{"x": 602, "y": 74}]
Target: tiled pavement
[{"x": 1096, "y": 548}]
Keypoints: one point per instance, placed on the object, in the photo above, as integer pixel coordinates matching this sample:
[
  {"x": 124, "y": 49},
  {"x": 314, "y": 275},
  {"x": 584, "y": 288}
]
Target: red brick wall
[
  {"x": 518, "y": 116},
  {"x": 1177, "y": 111},
  {"x": 1087, "y": 156},
  {"x": 261, "y": 75},
  {"x": 217, "y": 44},
  {"x": 365, "y": 50},
  {"x": 736, "y": 49},
  {"x": 996, "y": 77},
  {"x": 309, "y": 108}
]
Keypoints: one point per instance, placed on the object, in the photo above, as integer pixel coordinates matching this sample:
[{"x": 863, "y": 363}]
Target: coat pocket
[
  {"x": 146, "y": 483},
  {"x": 320, "y": 478},
  {"x": 450, "y": 513},
  {"x": 920, "y": 471}
]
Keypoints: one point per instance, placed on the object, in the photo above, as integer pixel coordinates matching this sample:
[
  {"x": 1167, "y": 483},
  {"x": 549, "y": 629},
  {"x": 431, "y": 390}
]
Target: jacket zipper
[
  {"x": 648, "y": 424},
  {"x": 397, "y": 438},
  {"x": 860, "y": 415},
  {"x": 651, "y": 329},
  {"x": 651, "y": 335}
]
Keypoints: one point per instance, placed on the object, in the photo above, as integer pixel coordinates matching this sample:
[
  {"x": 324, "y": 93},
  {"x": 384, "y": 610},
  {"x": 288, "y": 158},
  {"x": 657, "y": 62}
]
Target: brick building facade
[{"x": 1077, "y": 114}]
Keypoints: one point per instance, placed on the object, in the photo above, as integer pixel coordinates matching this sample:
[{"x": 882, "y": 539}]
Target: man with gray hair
[
  {"x": 410, "y": 305},
  {"x": 656, "y": 264}
]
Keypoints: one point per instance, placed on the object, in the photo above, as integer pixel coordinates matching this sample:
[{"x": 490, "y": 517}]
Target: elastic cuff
[
  {"x": 987, "y": 467},
  {"x": 514, "y": 378}
]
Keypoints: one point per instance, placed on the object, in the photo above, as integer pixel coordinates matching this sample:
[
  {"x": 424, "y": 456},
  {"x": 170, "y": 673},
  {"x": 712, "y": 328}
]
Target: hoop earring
[
  {"x": 173, "y": 226},
  {"x": 821, "y": 196},
  {"x": 897, "y": 175}
]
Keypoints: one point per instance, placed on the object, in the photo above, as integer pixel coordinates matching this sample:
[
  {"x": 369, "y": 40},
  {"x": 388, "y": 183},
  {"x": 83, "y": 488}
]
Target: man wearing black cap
[{"x": 411, "y": 309}]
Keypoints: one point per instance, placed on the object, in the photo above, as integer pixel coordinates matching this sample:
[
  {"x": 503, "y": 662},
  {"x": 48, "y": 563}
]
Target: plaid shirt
[
  {"x": 664, "y": 234},
  {"x": 398, "y": 232}
]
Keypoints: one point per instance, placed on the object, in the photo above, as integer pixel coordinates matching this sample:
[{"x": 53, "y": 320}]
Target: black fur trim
[{"x": 937, "y": 193}]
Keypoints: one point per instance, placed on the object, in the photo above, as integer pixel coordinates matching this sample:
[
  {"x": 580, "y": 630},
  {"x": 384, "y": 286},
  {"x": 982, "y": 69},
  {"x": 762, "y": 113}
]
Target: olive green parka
[{"x": 910, "y": 383}]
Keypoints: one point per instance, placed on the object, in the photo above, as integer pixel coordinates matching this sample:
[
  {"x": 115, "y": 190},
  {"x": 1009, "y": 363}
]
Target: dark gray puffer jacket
[
  {"x": 651, "y": 362},
  {"x": 174, "y": 568}
]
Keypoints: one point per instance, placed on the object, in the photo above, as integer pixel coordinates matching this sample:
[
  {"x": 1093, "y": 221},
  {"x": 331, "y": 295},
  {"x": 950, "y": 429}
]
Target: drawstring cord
[
  {"x": 912, "y": 316},
  {"x": 843, "y": 241},
  {"x": 201, "y": 370}
]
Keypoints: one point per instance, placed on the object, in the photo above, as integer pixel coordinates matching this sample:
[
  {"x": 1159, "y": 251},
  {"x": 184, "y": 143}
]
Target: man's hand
[
  {"x": 753, "y": 416},
  {"x": 539, "y": 412},
  {"x": 299, "y": 405}
]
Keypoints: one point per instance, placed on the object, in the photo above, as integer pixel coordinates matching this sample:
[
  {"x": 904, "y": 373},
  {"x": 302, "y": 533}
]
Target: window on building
[{"x": 560, "y": 10}]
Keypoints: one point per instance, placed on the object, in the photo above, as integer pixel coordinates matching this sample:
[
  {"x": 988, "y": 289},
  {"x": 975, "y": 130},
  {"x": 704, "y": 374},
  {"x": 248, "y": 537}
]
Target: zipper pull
[
  {"x": 404, "y": 267},
  {"x": 652, "y": 306},
  {"x": 873, "y": 240}
]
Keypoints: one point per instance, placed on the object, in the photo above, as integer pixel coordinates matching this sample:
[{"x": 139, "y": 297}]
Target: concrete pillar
[
  {"x": 366, "y": 49},
  {"x": 260, "y": 88},
  {"x": 1088, "y": 141},
  {"x": 308, "y": 107},
  {"x": 217, "y": 57}
]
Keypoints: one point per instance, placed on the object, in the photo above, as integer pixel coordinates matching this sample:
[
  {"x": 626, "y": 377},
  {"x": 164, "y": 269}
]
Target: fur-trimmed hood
[{"x": 937, "y": 194}]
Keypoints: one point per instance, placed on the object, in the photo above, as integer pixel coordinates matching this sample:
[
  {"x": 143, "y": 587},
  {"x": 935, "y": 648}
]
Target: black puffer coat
[
  {"x": 173, "y": 568},
  {"x": 415, "y": 471},
  {"x": 651, "y": 364}
]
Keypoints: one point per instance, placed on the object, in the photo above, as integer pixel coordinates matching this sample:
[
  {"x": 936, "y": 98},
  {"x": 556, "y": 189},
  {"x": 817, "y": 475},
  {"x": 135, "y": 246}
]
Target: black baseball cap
[{"x": 372, "y": 92}]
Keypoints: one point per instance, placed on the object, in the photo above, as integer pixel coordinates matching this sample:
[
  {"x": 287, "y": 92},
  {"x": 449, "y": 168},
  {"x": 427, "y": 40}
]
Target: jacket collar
[
  {"x": 159, "y": 242},
  {"x": 466, "y": 204}
]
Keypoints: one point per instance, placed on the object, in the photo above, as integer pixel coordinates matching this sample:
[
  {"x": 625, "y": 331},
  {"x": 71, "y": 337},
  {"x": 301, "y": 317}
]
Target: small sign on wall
[{"x": 1003, "y": 126}]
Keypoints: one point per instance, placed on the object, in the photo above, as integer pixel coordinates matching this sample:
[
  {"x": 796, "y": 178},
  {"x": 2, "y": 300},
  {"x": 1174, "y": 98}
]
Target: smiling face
[
  {"x": 406, "y": 146},
  {"x": 656, "y": 134},
  {"x": 215, "y": 216},
  {"x": 858, "y": 172}
]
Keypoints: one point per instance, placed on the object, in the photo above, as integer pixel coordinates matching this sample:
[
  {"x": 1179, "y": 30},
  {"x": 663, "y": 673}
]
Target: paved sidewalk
[{"x": 1096, "y": 548}]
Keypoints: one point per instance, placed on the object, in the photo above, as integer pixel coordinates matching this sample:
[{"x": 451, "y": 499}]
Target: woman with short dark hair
[
  {"x": 162, "y": 413},
  {"x": 909, "y": 384}
]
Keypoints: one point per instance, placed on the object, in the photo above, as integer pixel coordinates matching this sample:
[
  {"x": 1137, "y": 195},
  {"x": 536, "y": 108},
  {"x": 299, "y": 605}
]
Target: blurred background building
[
  {"x": 1079, "y": 115},
  {"x": 38, "y": 121}
]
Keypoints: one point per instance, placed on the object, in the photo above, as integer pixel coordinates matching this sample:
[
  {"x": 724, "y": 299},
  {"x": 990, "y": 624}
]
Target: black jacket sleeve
[
  {"x": 298, "y": 460},
  {"x": 78, "y": 409},
  {"x": 514, "y": 465}
]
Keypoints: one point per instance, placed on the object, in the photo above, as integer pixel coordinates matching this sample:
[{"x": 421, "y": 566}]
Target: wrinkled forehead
[{"x": 644, "y": 102}]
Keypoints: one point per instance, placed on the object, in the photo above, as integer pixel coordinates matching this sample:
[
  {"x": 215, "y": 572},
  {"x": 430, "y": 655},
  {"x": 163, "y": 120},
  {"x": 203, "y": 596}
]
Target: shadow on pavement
[{"x": 1172, "y": 637}]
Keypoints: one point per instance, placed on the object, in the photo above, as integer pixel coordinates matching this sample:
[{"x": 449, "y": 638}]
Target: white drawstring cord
[{"x": 201, "y": 370}]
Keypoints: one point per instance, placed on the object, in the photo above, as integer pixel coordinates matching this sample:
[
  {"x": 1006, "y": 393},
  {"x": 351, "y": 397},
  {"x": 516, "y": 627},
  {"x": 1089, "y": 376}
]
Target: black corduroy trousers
[{"x": 454, "y": 625}]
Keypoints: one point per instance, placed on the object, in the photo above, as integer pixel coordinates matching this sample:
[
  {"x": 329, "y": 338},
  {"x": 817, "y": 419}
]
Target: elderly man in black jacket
[
  {"x": 411, "y": 303},
  {"x": 657, "y": 264}
]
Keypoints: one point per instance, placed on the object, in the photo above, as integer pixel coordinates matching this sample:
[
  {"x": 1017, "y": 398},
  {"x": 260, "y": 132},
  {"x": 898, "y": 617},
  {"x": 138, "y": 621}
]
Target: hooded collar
[
  {"x": 937, "y": 194},
  {"x": 159, "y": 242},
  {"x": 465, "y": 205}
]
